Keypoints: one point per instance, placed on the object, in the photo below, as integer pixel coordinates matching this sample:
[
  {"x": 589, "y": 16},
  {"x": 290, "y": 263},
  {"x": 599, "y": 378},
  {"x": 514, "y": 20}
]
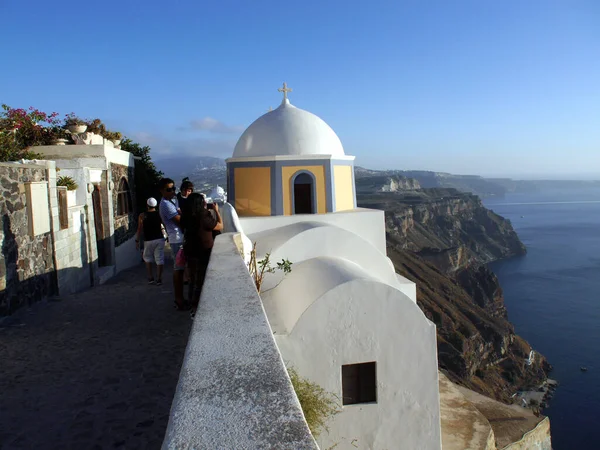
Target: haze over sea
[{"x": 553, "y": 299}]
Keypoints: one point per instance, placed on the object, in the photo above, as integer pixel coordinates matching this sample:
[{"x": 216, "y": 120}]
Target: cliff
[
  {"x": 442, "y": 239},
  {"x": 368, "y": 181}
]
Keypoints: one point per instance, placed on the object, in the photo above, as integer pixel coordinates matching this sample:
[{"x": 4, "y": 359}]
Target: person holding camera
[{"x": 199, "y": 224}]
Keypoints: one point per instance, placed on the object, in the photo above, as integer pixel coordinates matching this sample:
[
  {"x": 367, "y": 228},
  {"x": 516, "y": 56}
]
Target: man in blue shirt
[{"x": 171, "y": 218}]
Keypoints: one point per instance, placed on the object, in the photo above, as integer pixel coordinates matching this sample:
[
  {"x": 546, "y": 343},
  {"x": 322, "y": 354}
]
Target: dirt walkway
[{"x": 95, "y": 370}]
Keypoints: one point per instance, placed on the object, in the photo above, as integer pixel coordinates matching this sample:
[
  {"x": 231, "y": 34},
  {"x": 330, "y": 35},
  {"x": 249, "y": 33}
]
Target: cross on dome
[{"x": 285, "y": 90}]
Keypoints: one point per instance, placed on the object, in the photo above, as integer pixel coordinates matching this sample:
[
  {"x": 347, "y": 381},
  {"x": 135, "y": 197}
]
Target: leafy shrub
[
  {"x": 317, "y": 404},
  {"x": 258, "y": 269},
  {"x": 68, "y": 182}
]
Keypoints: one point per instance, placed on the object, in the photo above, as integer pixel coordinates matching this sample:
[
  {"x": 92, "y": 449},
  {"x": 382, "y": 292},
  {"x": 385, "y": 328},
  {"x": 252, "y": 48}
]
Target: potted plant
[
  {"x": 71, "y": 186},
  {"x": 97, "y": 127},
  {"x": 59, "y": 136},
  {"x": 114, "y": 136},
  {"x": 74, "y": 124}
]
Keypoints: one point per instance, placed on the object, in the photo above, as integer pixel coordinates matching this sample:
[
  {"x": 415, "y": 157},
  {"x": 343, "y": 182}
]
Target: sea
[{"x": 552, "y": 295}]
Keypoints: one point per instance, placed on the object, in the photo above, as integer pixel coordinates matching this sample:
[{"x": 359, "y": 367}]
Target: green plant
[
  {"x": 317, "y": 404},
  {"x": 97, "y": 127},
  {"x": 68, "y": 182},
  {"x": 258, "y": 269},
  {"x": 112, "y": 135},
  {"x": 71, "y": 119},
  {"x": 146, "y": 174},
  {"x": 59, "y": 133}
]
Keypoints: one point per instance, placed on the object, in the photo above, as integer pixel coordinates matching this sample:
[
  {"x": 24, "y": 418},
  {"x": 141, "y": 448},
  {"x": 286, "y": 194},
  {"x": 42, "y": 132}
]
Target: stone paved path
[{"x": 95, "y": 370}]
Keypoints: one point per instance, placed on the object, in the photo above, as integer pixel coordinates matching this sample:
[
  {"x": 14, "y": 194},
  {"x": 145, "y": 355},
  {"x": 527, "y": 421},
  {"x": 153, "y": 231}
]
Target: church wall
[
  {"x": 287, "y": 173},
  {"x": 344, "y": 187},
  {"x": 365, "y": 321},
  {"x": 252, "y": 191},
  {"x": 312, "y": 240},
  {"x": 366, "y": 223}
]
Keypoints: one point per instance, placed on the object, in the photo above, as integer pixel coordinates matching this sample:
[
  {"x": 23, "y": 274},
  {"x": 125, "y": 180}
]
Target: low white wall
[
  {"x": 407, "y": 287},
  {"x": 94, "y": 156},
  {"x": 366, "y": 223},
  {"x": 127, "y": 256},
  {"x": 305, "y": 240},
  {"x": 74, "y": 264},
  {"x": 234, "y": 391}
]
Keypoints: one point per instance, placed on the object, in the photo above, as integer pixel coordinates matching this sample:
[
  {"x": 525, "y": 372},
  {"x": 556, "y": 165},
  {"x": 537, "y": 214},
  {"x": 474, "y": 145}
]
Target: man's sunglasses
[{"x": 171, "y": 189}]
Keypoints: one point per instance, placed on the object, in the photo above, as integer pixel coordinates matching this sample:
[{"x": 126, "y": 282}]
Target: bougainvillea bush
[{"x": 20, "y": 129}]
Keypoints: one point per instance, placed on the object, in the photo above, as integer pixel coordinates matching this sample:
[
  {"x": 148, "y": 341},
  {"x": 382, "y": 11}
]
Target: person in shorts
[
  {"x": 171, "y": 218},
  {"x": 150, "y": 226}
]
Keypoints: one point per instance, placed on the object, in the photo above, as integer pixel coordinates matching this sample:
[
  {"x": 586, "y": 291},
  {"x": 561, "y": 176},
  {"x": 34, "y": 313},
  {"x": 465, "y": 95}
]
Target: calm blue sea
[{"x": 553, "y": 299}]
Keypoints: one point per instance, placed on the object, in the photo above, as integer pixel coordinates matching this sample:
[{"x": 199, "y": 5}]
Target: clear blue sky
[{"x": 491, "y": 87}]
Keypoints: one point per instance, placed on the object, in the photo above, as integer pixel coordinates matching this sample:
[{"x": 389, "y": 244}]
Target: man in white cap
[{"x": 150, "y": 224}]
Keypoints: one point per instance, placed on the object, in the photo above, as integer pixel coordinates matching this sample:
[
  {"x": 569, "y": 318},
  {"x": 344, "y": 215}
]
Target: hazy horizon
[
  {"x": 461, "y": 87},
  {"x": 532, "y": 176}
]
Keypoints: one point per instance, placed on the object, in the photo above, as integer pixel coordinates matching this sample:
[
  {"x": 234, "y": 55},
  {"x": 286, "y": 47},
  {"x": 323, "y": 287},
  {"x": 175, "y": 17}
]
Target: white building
[{"x": 342, "y": 318}]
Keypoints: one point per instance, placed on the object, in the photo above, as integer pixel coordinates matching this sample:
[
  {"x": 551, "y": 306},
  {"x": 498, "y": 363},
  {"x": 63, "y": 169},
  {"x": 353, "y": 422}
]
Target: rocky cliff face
[
  {"x": 384, "y": 183},
  {"x": 442, "y": 239},
  {"x": 452, "y": 230}
]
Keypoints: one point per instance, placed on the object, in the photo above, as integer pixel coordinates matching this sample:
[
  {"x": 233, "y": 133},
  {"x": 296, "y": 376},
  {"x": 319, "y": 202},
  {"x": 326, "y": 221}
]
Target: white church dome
[
  {"x": 288, "y": 131},
  {"x": 218, "y": 193}
]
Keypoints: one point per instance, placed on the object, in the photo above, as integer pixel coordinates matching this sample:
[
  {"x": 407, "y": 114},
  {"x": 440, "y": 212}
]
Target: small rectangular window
[{"x": 359, "y": 383}]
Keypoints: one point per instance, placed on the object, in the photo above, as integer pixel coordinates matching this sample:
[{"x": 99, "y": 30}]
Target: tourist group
[{"x": 189, "y": 224}]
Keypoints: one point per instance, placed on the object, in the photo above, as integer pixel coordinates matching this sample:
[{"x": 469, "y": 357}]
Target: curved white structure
[
  {"x": 328, "y": 313},
  {"x": 342, "y": 318},
  {"x": 288, "y": 130},
  {"x": 218, "y": 194},
  {"x": 306, "y": 240}
]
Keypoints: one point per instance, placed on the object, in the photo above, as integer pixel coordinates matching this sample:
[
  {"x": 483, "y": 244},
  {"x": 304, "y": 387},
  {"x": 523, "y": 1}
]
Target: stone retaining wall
[
  {"x": 26, "y": 263},
  {"x": 536, "y": 439},
  {"x": 234, "y": 391}
]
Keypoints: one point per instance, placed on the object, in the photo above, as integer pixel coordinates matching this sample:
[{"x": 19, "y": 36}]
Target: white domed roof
[
  {"x": 288, "y": 131},
  {"x": 218, "y": 193}
]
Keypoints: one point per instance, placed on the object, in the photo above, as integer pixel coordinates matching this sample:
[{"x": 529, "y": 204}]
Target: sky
[{"x": 487, "y": 87}]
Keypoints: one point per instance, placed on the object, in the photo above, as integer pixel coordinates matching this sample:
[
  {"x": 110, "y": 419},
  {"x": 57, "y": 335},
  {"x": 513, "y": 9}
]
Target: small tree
[
  {"x": 146, "y": 174},
  {"x": 317, "y": 404},
  {"x": 258, "y": 269}
]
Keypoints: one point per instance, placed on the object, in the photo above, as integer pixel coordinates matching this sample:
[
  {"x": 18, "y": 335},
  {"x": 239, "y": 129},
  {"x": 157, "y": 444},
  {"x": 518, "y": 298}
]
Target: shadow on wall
[
  {"x": 16, "y": 293},
  {"x": 125, "y": 228}
]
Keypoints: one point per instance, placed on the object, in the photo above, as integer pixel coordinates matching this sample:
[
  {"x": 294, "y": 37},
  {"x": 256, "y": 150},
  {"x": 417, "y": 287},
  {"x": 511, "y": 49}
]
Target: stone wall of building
[
  {"x": 26, "y": 262},
  {"x": 125, "y": 225}
]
